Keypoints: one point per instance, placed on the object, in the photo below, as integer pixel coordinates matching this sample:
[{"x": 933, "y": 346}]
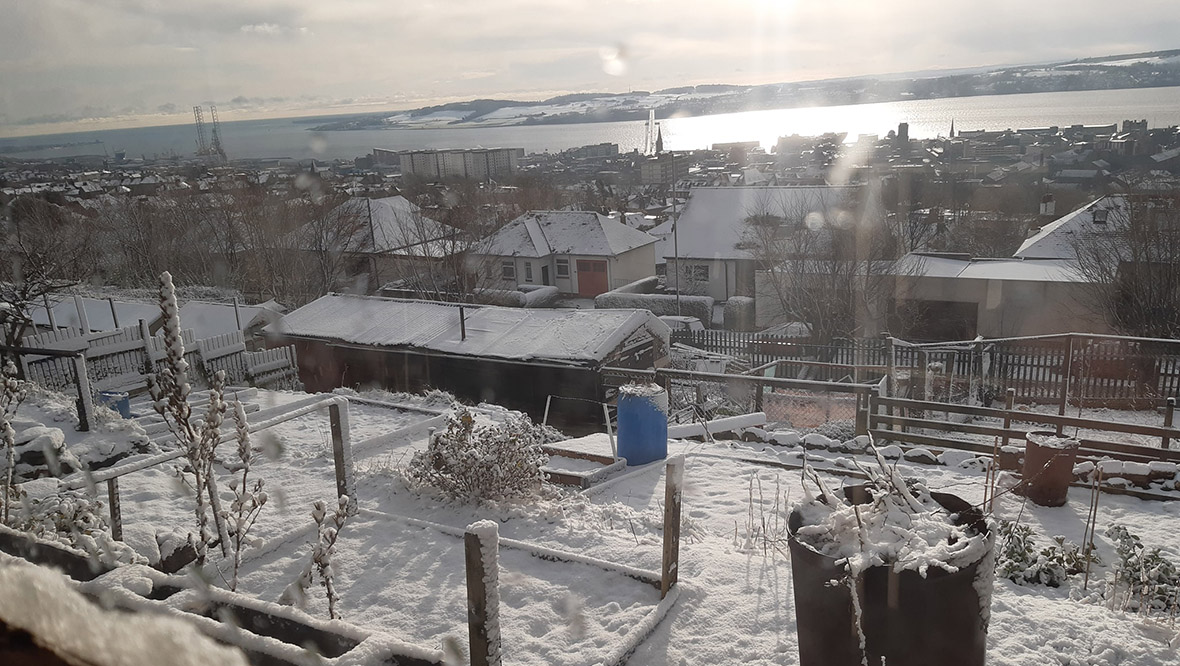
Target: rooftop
[
  {"x": 545, "y": 232},
  {"x": 560, "y": 335},
  {"x": 1058, "y": 239}
]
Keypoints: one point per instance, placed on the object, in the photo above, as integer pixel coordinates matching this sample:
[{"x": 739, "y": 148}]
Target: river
[{"x": 927, "y": 118}]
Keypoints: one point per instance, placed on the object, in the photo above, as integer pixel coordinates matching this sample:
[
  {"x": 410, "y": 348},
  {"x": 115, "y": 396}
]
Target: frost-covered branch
[
  {"x": 248, "y": 501},
  {"x": 327, "y": 530},
  {"x": 170, "y": 390}
]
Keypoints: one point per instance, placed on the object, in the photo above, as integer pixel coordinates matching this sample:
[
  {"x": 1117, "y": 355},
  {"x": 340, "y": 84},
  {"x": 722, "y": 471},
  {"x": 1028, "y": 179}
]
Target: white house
[
  {"x": 579, "y": 252},
  {"x": 712, "y": 240}
]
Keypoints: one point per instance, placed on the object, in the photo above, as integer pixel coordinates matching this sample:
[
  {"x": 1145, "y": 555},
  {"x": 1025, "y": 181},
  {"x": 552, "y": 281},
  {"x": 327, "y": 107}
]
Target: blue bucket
[
  {"x": 120, "y": 401},
  {"x": 643, "y": 423}
]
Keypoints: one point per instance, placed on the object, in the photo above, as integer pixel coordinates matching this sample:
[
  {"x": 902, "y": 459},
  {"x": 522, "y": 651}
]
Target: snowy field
[{"x": 400, "y": 564}]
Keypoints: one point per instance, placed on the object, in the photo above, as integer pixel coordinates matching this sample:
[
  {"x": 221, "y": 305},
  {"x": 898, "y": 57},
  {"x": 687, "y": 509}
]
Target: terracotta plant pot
[
  {"x": 906, "y": 619},
  {"x": 1048, "y": 467}
]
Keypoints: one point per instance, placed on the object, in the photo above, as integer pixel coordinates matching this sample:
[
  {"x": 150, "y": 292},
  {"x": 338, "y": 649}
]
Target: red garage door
[{"x": 591, "y": 277}]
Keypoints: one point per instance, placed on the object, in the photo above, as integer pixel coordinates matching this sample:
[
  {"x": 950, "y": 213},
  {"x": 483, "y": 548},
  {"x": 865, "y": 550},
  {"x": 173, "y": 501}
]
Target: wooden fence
[
  {"x": 897, "y": 419},
  {"x": 1078, "y": 369},
  {"x": 123, "y": 359}
]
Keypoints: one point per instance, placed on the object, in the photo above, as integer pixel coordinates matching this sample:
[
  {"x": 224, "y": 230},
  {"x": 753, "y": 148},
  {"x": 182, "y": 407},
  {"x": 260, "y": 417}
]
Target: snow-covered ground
[{"x": 400, "y": 564}]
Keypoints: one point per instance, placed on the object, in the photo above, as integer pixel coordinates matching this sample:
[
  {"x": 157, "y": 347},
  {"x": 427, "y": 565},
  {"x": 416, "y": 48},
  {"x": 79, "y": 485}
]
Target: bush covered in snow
[
  {"x": 700, "y": 307},
  {"x": 1020, "y": 562},
  {"x": 75, "y": 519},
  {"x": 488, "y": 461},
  {"x": 739, "y": 313},
  {"x": 1144, "y": 580}
]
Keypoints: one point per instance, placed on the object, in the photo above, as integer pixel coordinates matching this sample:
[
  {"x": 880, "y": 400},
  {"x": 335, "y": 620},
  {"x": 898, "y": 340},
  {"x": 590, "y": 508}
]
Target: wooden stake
[
  {"x": 85, "y": 399},
  {"x": 342, "y": 452},
  {"x": 673, "y": 496},
  {"x": 115, "y": 509},
  {"x": 483, "y": 609}
]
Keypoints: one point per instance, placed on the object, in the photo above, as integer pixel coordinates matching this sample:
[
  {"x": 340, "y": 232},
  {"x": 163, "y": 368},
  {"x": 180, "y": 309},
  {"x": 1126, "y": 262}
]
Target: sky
[{"x": 77, "y": 64}]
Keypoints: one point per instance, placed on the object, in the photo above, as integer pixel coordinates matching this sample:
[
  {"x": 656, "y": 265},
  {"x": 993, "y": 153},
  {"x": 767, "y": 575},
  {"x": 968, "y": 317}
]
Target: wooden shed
[{"x": 509, "y": 356}]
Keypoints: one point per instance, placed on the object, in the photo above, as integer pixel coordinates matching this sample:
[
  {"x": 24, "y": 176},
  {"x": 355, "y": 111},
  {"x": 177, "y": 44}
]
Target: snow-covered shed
[{"x": 511, "y": 356}]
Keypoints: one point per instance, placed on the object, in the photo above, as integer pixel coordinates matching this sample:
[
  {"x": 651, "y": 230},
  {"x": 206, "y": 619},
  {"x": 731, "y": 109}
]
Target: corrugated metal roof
[{"x": 564, "y": 335}]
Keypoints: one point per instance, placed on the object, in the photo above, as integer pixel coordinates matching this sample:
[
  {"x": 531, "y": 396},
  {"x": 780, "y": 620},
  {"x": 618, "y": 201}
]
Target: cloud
[
  {"x": 263, "y": 29},
  {"x": 62, "y": 57}
]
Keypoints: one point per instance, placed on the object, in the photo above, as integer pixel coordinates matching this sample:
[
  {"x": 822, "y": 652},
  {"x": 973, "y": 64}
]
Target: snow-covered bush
[
  {"x": 840, "y": 430},
  {"x": 12, "y": 392},
  {"x": 487, "y": 461},
  {"x": 327, "y": 531},
  {"x": 1144, "y": 580},
  {"x": 74, "y": 519},
  {"x": 1020, "y": 562},
  {"x": 739, "y": 313},
  {"x": 700, "y": 307}
]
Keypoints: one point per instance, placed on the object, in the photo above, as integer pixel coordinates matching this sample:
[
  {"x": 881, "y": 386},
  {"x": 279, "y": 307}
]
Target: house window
[
  {"x": 563, "y": 268},
  {"x": 528, "y": 271},
  {"x": 699, "y": 272},
  {"x": 508, "y": 270}
]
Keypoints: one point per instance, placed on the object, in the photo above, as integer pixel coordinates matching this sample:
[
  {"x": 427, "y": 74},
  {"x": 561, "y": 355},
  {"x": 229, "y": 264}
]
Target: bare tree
[
  {"x": 1131, "y": 259},
  {"x": 46, "y": 249},
  {"x": 980, "y": 234},
  {"x": 827, "y": 258},
  {"x": 426, "y": 259}
]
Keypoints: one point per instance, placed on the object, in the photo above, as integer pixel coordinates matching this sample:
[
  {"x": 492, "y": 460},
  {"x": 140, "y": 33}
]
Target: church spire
[
  {"x": 659, "y": 140},
  {"x": 952, "y": 128}
]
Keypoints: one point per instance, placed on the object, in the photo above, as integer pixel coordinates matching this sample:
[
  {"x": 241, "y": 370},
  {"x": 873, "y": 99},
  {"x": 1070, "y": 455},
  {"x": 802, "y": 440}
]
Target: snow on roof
[
  {"x": 1027, "y": 270},
  {"x": 208, "y": 319},
  {"x": 541, "y": 233},
  {"x": 1057, "y": 240},
  {"x": 98, "y": 313},
  {"x": 398, "y": 227},
  {"x": 714, "y": 220},
  {"x": 560, "y": 335}
]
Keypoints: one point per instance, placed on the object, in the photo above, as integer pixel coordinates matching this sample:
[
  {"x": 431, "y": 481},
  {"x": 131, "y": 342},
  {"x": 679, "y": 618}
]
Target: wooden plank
[
  {"x": 929, "y": 441},
  {"x": 1036, "y": 417}
]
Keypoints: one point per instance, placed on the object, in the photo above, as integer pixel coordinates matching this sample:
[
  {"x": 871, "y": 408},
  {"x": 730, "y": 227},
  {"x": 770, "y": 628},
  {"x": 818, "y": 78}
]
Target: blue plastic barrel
[
  {"x": 120, "y": 401},
  {"x": 643, "y": 423}
]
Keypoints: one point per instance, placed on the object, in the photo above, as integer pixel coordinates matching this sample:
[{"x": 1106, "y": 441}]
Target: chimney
[{"x": 462, "y": 324}]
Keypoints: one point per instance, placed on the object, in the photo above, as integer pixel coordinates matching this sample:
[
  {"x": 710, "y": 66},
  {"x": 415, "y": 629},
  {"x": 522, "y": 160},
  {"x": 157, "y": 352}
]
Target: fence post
[
  {"x": 864, "y": 420},
  {"x": 149, "y": 366},
  {"x": 1065, "y": 381},
  {"x": 83, "y": 323},
  {"x": 342, "y": 451},
  {"x": 49, "y": 313},
  {"x": 85, "y": 399},
  {"x": 674, "y": 479},
  {"x": 115, "y": 509},
  {"x": 1169, "y": 413},
  {"x": 481, "y": 545},
  {"x": 758, "y": 396},
  {"x": 610, "y": 434},
  {"x": 1009, "y": 403}
]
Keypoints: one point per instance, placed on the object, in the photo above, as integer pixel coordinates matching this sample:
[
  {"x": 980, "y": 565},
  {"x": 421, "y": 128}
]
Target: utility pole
[{"x": 675, "y": 232}]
